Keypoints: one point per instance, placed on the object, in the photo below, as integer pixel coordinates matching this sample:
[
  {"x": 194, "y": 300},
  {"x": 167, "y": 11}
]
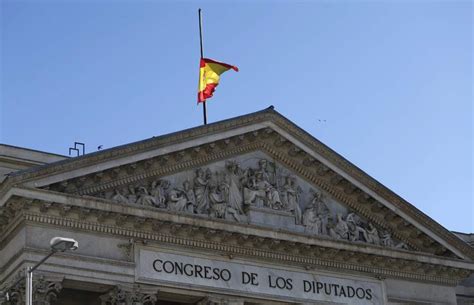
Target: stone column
[
  {"x": 44, "y": 292},
  {"x": 123, "y": 296}
]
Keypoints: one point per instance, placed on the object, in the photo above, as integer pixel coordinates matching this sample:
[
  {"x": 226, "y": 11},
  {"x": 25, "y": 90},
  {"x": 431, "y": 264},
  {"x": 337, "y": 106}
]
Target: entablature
[{"x": 146, "y": 226}]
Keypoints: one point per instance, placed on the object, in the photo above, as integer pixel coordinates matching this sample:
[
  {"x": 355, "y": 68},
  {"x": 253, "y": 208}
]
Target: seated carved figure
[
  {"x": 372, "y": 236},
  {"x": 177, "y": 201},
  {"x": 386, "y": 239},
  {"x": 219, "y": 203},
  {"x": 261, "y": 193},
  {"x": 118, "y": 197},
  {"x": 311, "y": 221},
  {"x": 131, "y": 197},
  {"x": 253, "y": 195},
  {"x": 356, "y": 232},
  {"x": 144, "y": 198},
  {"x": 341, "y": 230}
]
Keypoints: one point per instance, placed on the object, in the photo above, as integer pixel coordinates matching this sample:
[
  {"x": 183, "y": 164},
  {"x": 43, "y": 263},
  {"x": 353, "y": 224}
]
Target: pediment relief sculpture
[{"x": 253, "y": 189}]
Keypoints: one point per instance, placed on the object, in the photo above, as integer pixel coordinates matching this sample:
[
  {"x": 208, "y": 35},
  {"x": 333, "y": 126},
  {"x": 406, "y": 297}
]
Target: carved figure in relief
[
  {"x": 132, "y": 197},
  {"x": 292, "y": 194},
  {"x": 321, "y": 210},
  {"x": 261, "y": 193},
  {"x": 259, "y": 189},
  {"x": 189, "y": 194},
  {"x": 178, "y": 199},
  {"x": 252, "y": 195},
  {"x": 266, "y": 175},
  {"x": 201, "y": 191},
  {"x": 218, "y": 204},
  {"x": 223, "y": 194},
  {"x": 311, "y": 221},
  {"x": 356, "y": 232},
  {"x": 119, "y": 197},
  {"x": 341, "y": 230},
  {"x": 372, "y": 234},
  {"x": 386, "y": 239},
  {"x": 235, "y": 177},
  {"x": 144, "y": 198},
  {"x": 272, "y": 196},
  {"x": 159, "y": 191}
]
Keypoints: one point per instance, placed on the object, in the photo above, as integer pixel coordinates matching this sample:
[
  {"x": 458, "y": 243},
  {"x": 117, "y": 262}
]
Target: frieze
[
  {"x": 239, "y": 277},
  {"x": 248, "y": 189}
]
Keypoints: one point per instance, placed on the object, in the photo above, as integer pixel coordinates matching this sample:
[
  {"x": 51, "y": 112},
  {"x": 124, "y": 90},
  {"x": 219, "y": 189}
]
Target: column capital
[
  {"x": 45, "y": 291},
  {"x": 125, "y": 296}
]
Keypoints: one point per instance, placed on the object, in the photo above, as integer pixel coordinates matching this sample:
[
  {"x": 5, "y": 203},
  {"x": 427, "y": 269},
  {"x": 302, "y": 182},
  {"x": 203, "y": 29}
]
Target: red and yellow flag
[{"x": 209, "y": 75}]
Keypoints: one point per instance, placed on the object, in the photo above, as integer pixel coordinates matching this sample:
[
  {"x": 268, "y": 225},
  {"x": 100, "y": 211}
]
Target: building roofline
[
  {"x": 268, "y": 114},
  {"x": 34, "y": 150},
  {"x": 269, "y": 109}
]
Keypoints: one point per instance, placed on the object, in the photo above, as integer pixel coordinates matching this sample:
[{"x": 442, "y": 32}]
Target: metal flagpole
[{"x": 202, "y": 56}]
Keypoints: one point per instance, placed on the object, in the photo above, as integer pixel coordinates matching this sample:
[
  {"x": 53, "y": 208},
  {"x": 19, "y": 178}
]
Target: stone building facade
[{"x": 250, "y": 210}]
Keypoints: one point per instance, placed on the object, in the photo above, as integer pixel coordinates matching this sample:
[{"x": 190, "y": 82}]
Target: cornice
[{"x": 232, "y": 244}]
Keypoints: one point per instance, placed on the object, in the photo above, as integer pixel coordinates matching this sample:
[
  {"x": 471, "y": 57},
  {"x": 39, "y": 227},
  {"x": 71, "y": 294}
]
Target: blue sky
[{"x": 392, "y": 79}]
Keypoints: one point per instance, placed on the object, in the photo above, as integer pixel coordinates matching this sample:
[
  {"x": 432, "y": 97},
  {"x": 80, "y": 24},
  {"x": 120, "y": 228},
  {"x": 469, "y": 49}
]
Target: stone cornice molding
[
  {"x": 252, "y": 246},
  {"x": 417, "y": 239},
  {"x": 85, "y": 207}
]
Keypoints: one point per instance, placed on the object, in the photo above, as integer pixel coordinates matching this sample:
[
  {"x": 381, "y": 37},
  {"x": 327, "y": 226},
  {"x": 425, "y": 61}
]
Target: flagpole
[{"x": 202, "y": 56}]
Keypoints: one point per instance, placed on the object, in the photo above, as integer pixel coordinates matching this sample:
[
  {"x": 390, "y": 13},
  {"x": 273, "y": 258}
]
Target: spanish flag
[{"x": 209, "y": 75}]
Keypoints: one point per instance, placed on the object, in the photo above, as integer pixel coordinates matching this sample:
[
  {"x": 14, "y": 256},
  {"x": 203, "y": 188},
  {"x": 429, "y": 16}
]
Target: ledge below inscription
[
  {"x": 236, "y": 278},
  {"x": 269, "y": 218}
]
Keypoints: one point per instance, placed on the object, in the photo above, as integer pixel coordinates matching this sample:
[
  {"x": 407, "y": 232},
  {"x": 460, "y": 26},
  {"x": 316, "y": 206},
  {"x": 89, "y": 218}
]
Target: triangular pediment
[
  {"x": 258, "y": 170},
  {"x": 252, "y": 188}
]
